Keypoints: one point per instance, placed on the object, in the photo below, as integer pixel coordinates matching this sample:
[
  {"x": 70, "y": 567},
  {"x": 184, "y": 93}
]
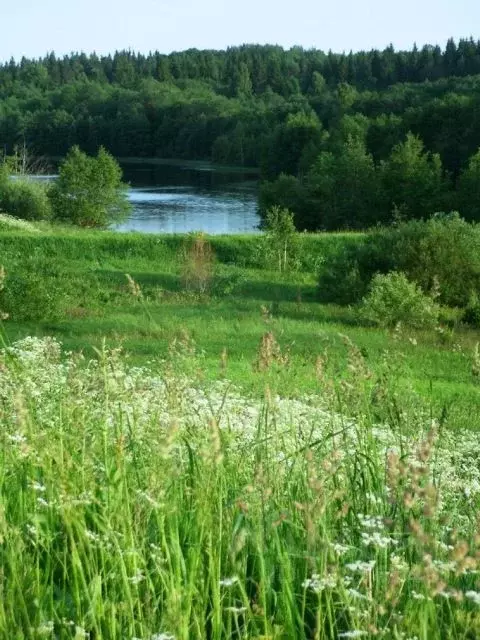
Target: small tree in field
[
  {"x": 281, "y": 236},
  {"x": 89, "y": 191}
]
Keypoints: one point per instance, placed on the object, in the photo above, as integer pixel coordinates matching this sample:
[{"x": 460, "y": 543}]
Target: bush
[
  {"x": 33, "y": 291},
  {"x": 392, "y": 298},
  {"x": 471, "y": 315},
  {"x": 24, "y": 198},
  {"x": 228, "y": 284},
  {"x": 89, "y": 191},
  {"x": 443, "y": 248}
]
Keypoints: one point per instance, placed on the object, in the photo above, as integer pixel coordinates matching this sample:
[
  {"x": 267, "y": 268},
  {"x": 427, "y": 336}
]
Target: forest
[{"x": 345, "y": 141}]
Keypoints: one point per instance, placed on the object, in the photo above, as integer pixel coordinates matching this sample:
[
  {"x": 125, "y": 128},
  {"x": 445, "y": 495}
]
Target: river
[{"x": 184, "y": 197}]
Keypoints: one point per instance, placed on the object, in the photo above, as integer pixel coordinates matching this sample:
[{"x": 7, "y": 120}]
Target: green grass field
[
  {"x": 243, "y": 303},
  {"x": 250, "y": 464}
]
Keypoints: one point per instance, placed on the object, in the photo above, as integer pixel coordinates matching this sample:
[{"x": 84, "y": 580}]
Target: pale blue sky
[{"x": 33, "y": 27}]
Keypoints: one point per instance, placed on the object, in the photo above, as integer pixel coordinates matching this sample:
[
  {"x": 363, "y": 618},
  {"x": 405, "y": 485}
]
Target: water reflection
[{"x": 178, "y": 199}]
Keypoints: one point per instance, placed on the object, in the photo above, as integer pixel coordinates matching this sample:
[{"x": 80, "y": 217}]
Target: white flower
[
  {"x": 375, "y": 539},
  {"x": 317, "y": 584},
  {"x": 373, "y": 498},
  {"x": 398, "y": 562},
  {"x": 356, "y": 594},
  {"x": 474, "y": 596},
  {"x": 371, "y": 522},
  {"x": 137, "y": 577},
  {"x": 445, "y": 567},
  {"x": 17, "y": 438},
  {"x": 45, "y": 629},
  {"x": 340, "y": 549},
  {"x": 361, "y": 567},
  {"x": 356, "y": 633},
  {"x": 91, "y": 535},
  {"x": 36, "y": 486},
  {"x": 228, "y": 582}
]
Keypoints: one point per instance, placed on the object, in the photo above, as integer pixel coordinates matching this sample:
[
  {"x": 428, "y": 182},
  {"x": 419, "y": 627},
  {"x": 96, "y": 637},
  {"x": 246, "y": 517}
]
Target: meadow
[{"x": 225, "y": 457}]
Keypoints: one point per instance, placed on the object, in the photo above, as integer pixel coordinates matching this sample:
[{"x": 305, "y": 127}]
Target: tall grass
[
  {"x": 243, "y": 251},
  {"x": 147, "y": 503}
]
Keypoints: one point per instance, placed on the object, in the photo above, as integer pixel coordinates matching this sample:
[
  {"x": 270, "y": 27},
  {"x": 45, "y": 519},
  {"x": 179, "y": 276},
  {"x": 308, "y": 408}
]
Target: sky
[{"x": 32, "y": 28}]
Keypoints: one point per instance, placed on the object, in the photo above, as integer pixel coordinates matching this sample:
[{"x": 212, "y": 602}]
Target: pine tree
[{"x": 412, "y": 180}]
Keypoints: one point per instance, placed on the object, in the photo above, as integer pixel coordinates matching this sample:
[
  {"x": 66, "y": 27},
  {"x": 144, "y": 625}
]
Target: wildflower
[
  {"x": 355, "y": 633},
  {"x": 45, "y": 629},
  {"x": 317, "y": 584},
  {"x": 375, "y": 539},
  {"x": 361, "y": 567},
  {"x": 228, "y": 582},
  {"x": 356, "y": 594},
  {"x": 147, "y": 498},
  {"x": 137, "y": 577},
  {"x": 398, "y": 562},
  {"x": 36, "y": 486},
  {"x": 17, "y": 438},
  {"x": 474, "y": 596},
  {"x": 444, "y": 567},
  {"x": 91, "y": 535},
  {"x": 371, "y": 522}
]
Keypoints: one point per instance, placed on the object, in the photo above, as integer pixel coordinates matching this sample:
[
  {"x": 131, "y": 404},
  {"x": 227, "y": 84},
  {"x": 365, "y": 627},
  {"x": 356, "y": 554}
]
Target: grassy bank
[
  {"x": 80, "y": 278},
  {"x": 234, "y": 462},
  {"x": 154, "y": 505}
]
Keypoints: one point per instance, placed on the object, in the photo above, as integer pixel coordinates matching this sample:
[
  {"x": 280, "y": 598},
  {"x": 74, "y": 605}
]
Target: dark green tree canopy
[{"x": 280, "y": 110}]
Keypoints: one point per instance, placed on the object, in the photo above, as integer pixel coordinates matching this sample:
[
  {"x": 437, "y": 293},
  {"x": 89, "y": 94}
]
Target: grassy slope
[
  {"x": 128, "y": 512},
  {"x": 92, "y": 268}
]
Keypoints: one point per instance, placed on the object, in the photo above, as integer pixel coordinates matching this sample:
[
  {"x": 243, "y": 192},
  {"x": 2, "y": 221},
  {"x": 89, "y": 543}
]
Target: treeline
[
  {"x": 252, "y": 69},
  {"x": 302, "y": 113},
  {"x": 347, "y": 189}
]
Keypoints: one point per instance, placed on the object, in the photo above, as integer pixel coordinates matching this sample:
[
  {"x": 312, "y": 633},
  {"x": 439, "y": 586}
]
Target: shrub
[
  {"x": 228, "y": 284},
  {"x": 89, "y": 191},
  {"x": 392, "y": 298},
  {"x": 443, "y": 248},
  {"x": 25, "y": 199},
  {"x": 471, "y": 315},
  {"x": 33, "y": 292}
]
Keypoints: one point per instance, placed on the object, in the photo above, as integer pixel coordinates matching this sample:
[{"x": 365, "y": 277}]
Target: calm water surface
[{"x": 184, "y": 198}]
